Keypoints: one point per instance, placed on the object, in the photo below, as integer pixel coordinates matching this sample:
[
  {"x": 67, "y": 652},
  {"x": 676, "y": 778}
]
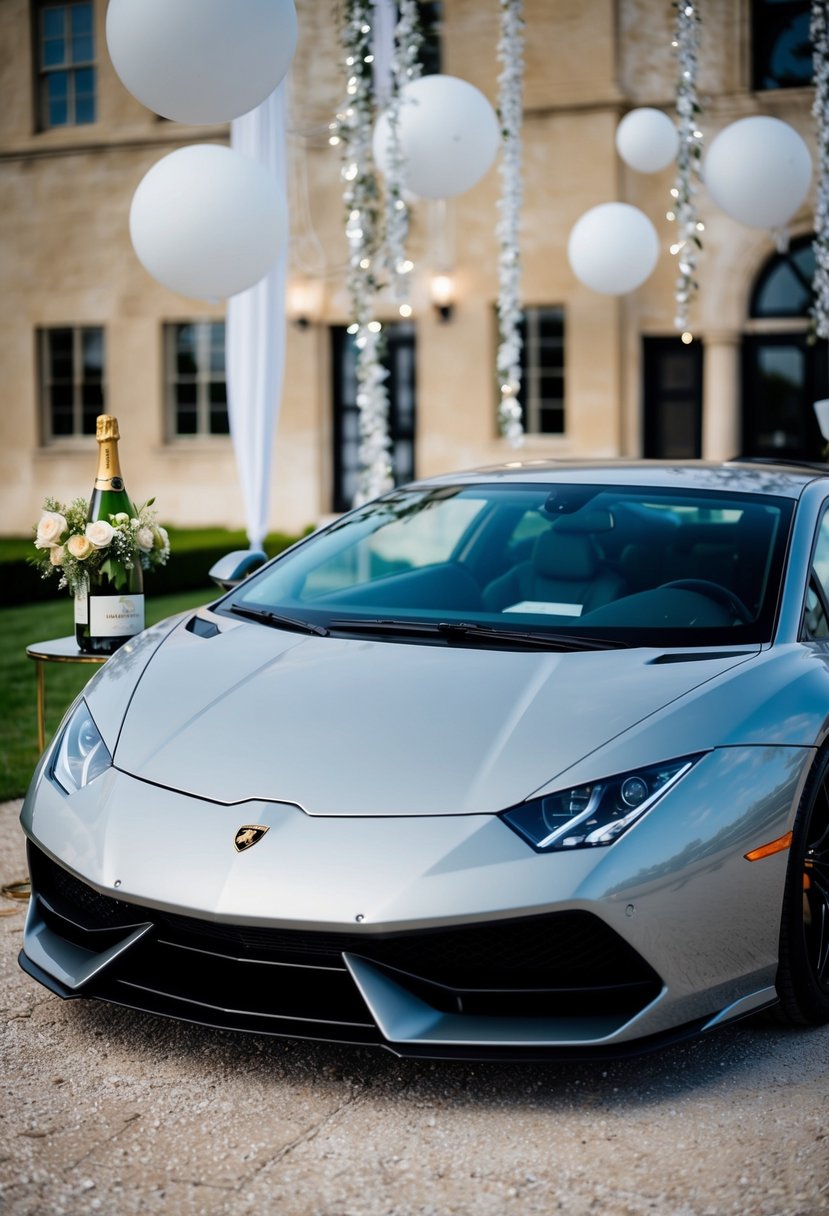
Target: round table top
[{"x": 62, "y": 650}]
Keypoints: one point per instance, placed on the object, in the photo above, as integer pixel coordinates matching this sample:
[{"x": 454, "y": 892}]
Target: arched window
[
  {"x": 784, "y": 369},
  {"x": 784, "y": 286}
]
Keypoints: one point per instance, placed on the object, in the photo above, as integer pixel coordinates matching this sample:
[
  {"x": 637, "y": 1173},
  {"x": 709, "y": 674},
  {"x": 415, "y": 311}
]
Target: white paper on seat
[{"x": 545, "y": 607}]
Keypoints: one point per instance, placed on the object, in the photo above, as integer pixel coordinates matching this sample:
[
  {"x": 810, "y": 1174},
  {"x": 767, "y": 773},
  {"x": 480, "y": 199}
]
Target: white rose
[
  {"x": 100, "y": 533},
  {"x": 144, "y": 539},
  {"x": 121, "y": 518},
  {"x": 50, "y": 528},
  {"x": 160, "y": 539},
  {"x": 79, "y": 547},
  {"x": 57, "y": 555}
]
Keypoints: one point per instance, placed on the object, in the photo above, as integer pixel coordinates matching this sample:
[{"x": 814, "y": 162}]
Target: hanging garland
[
  {"x": 362, "y": 229},
  {"x": 405, "y": 67},
  {"x": 510, "y": 90},
  {"x": 684, "y": 211},
  {"x": 820, "y": 46}
]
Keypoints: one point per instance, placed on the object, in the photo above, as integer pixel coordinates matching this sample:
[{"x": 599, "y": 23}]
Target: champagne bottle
[{"x": 108, "y": 612}]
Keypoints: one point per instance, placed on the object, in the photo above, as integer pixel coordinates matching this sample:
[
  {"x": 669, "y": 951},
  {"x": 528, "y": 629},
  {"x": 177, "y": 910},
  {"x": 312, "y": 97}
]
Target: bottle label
[
  {"x": 81, "y": 606},
  {"x": 115, "y": 616}
]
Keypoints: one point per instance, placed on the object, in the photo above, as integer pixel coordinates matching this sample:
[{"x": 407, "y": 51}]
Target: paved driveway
[{"x": 103, "y": 1110}]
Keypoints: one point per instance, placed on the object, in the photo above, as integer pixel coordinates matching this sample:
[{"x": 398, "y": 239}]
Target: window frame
[
  {"x": 534, "y": 369},
  {"x": 203, "y": 378},
  {"x": 46, "y": 380},
  {"x": 43, "y": 72}
]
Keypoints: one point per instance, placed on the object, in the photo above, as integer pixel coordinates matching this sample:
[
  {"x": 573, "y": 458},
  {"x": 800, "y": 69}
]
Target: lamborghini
[{"x": 521, "y": 762}]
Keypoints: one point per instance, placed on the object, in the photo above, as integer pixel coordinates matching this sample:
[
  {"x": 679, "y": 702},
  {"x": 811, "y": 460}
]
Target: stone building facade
[{"x": 85, "y": 327}]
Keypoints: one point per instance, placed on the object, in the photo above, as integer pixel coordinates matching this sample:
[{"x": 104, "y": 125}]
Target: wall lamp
[
  {"x": 442, "y": 292},
  {"x": 303, "y": 302}
]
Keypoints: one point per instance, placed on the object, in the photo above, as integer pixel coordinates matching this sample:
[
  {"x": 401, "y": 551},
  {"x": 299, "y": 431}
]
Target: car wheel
[{"x": 803, "y": 971}]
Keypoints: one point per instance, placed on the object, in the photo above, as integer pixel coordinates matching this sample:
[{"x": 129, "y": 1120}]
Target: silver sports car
[{"x": 524, "y": 761}]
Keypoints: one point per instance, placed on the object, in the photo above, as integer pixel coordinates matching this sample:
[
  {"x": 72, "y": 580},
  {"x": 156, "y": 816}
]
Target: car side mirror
[{"x": 234, "y": 567}]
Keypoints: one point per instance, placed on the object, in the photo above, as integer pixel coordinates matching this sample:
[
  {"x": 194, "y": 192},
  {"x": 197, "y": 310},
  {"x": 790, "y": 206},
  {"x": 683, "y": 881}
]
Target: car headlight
[
  {"x": 81, "y": 754},
  {"x": 597, "y": 814}
]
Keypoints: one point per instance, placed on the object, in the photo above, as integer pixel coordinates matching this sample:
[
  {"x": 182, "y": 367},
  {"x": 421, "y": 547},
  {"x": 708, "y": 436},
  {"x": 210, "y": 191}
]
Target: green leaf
[{"x": 115, "y": 572}]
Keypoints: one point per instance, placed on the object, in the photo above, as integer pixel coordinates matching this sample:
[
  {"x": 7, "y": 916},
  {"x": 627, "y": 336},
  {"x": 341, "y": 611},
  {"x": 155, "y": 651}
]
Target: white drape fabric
[
  {"x": 255, "y": 340},
  {"x": 382, "y": 46}
]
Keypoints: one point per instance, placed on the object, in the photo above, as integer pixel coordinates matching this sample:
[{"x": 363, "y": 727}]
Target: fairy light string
[
  {"x": 405, "y": 67},
  {"x": 683, "y": 211},
  {"x": 510, "y": 101},
  {"x": 363, "y": 230},
  {"x": 819, "y": 32}
]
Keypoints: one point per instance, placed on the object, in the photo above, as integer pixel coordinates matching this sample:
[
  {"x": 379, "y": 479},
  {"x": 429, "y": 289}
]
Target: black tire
[{"x": 803, "y": 970}]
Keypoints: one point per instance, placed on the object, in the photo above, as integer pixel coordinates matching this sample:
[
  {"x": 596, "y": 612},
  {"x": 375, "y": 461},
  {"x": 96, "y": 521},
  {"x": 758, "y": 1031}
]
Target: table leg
[{"x": 41, "y": 704}]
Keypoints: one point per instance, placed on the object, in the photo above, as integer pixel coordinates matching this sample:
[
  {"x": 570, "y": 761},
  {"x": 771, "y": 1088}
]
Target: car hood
[{"x": 364, "y": 727}]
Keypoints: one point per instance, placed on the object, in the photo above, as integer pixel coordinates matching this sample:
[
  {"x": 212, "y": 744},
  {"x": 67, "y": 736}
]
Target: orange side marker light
[{"x": 774, "y": 846}]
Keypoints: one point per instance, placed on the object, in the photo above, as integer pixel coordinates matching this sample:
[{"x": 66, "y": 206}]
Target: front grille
[{"x": 564, "y": 964}]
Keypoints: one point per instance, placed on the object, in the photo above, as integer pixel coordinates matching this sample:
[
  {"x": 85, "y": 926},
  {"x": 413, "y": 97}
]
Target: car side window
[
  {"x": 816, "y": 613},
  {"x": 815, "y": 624}
]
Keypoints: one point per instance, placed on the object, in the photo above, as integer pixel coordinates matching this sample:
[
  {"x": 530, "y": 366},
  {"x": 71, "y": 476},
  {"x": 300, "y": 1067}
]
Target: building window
[
  {"x": 430, "y": 13},
  {"x": 399, "y": 361},
  {"x": 542, "y": 371},
  {"x": 194, "y": 360},
  {"x": 781, "y": 45},
  {"x": 65, "y": 57},
  {"x": 784, "y": 370},
  {"x": 72, "y": 391}
]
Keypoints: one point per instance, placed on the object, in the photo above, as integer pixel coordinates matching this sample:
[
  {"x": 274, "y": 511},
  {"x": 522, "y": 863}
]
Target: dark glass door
[
  {"x": 672, "y": 399},
  {"x": 399, "y": 362},
  {"x": 783, "y": 375}
]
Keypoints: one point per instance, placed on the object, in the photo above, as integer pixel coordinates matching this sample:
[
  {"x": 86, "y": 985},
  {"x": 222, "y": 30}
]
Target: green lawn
[{"x": 21, "y": 626}]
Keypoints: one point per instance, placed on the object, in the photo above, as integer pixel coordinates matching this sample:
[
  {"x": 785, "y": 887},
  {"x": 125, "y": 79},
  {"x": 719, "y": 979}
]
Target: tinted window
[{"x": 637, "y": 565}]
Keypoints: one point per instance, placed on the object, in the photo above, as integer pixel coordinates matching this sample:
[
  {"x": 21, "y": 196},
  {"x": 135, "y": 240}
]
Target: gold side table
[{"x": 57, "y": 650}]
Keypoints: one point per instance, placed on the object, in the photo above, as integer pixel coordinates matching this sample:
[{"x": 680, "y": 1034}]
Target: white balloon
[
  {"x": 448, "y": 136},
  {"x": 758, "y": 171},
  {"x": 613, "y": 248},
  {"x": 207, "y": 222},
  {"x": 201, "y": 61},
  {"x": 647, "y": 140}
]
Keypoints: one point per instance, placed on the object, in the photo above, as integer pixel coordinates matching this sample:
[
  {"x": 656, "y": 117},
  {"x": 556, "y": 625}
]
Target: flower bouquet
[{"x": 78, "y": 551}]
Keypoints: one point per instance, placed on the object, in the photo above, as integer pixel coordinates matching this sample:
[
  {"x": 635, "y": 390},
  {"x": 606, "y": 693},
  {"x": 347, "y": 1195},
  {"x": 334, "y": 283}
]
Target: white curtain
[
  {"x": 385, "y": 19},
  {"x": 255, "y": 347}
]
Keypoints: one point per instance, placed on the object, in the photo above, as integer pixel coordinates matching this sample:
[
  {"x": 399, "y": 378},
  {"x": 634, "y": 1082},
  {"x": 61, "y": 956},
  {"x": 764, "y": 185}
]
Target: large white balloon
[
  {"x": 448, "y": 136},
  {"x": 647, "y": 140},
  {"x": 758, "y": 170},
  {"x": 207, "y": 222},
  {"x": 201, "y": 61},
  {"x": 613, "y": 248}
]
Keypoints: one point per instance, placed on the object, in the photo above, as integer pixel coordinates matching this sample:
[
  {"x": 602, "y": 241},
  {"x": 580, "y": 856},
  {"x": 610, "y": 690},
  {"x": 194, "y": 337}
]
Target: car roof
[{"x": 744, "y": 475}]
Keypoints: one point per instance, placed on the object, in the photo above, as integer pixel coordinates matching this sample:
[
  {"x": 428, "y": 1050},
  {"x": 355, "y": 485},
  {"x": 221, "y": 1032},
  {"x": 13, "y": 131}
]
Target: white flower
[
  {"x": 161, "y": 540},
  {"x": 144, "y": 539},
  {"x": 50, "y": 528},
  {"x": 57, "y": 555},
  {"x": 99, "y": 533},
  {"x": 79, "y": 546},
  {"x": 121, "y": 518}
]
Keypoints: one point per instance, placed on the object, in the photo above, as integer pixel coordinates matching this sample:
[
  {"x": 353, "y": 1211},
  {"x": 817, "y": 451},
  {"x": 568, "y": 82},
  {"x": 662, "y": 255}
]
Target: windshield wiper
[
  {"x": 275, "y": 619},
  {"x": 537, "y": 637},
  {"x": 470, "y": 631}
]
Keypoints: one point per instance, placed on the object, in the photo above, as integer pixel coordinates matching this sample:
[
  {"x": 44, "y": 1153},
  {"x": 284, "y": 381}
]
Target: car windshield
[{"x": 628, "y": 565}]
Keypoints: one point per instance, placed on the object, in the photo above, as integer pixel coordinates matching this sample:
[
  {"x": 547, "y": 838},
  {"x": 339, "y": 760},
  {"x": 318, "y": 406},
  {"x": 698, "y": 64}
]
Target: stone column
[{"x": 721, "y": 395}]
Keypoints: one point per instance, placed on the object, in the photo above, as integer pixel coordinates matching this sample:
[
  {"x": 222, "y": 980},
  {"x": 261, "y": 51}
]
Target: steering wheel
[{"x": 723, "y": 596}]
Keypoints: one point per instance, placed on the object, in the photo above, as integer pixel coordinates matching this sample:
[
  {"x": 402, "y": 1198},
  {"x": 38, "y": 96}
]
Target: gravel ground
[{"x": 104, "y": 1110}]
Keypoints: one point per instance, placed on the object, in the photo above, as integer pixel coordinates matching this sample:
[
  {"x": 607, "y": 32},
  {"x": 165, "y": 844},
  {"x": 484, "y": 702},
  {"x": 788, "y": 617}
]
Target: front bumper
[{"x": 438, "y": 936}]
